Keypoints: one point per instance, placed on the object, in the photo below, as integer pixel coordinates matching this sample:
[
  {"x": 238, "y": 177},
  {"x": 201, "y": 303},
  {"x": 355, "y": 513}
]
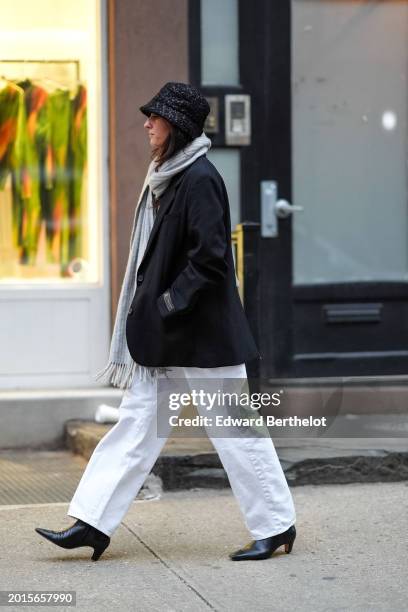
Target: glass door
[
  {"x": 326, "y": 177},
  {"x": 349, "y": 174},
  {"x": 349, "y": 118}
]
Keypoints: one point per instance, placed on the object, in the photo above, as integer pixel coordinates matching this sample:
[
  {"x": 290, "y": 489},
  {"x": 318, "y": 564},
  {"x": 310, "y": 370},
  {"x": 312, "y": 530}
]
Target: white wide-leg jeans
[{"x": 126, "y": 454}]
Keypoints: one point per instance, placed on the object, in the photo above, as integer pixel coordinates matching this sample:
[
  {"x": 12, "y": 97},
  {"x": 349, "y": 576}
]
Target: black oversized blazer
[{"x": 186, "y": 310}]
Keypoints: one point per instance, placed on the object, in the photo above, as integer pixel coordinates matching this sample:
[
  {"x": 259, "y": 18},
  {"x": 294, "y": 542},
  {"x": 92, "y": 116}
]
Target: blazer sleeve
[{"x": 206, "y": 235}]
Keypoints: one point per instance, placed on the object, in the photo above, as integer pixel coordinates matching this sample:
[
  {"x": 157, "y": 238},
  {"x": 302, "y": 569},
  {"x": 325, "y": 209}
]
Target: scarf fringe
[{"x": 122, "y": 374}]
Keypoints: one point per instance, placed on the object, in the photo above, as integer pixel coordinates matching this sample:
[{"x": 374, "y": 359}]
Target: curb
[{"x": 180, "y": 467}]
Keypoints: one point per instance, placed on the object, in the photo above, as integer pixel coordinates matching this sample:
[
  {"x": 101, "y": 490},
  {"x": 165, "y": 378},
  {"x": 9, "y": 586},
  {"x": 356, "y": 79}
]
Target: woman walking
[{"x": 179, "y": 316}]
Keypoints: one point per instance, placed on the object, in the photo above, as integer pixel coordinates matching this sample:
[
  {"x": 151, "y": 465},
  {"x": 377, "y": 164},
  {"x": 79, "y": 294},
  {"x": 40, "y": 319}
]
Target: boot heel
[
  {"x": 98, "y": 550},
  {"x": 289, "y": 546}
]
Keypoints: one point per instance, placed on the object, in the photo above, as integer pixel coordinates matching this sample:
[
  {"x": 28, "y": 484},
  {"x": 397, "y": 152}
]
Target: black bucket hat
[{"x": 181, "y": 104}]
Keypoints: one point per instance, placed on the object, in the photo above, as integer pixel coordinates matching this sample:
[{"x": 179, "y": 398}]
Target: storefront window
[{"x": 48, "y": 77}]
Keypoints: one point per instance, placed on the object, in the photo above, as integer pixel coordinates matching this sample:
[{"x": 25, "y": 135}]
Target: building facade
[{"x": 309, "y": 128}]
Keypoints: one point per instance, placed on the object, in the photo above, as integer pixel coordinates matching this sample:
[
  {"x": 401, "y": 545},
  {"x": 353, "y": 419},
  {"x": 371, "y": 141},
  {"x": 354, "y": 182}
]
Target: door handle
[
  {"x": 283, "y": 208},
  {"x": 272, "y": 209}
]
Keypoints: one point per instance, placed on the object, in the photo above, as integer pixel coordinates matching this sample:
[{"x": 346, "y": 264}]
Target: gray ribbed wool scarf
[{"x": 121, "y": 368}]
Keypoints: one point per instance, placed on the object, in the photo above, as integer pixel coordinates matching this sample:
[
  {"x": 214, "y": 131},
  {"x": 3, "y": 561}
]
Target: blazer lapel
[{"x": 165, "y": 200}]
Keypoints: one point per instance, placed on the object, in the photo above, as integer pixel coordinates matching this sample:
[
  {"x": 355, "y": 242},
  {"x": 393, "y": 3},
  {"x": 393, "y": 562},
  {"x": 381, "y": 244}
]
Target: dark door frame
[{"x": 262, "y": 38}]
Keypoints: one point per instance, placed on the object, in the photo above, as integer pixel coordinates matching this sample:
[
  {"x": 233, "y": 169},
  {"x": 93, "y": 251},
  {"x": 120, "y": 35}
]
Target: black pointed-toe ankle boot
[
  {"x": 79, "y": 534},
  {"x": 263, "y": 549}
]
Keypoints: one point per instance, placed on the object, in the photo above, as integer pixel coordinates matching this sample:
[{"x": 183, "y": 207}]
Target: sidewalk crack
[{"x": 167, "y": 566}]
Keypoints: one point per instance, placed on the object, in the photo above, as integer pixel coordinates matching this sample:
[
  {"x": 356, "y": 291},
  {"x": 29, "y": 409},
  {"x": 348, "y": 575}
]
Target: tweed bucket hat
[{"x": 181, "y": 104}]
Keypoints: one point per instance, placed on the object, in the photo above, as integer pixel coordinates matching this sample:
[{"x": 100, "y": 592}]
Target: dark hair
[{"x": 175, "y": 141}]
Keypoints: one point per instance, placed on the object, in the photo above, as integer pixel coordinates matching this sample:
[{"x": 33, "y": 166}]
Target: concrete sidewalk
[{"x": 172, "y": 555}]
